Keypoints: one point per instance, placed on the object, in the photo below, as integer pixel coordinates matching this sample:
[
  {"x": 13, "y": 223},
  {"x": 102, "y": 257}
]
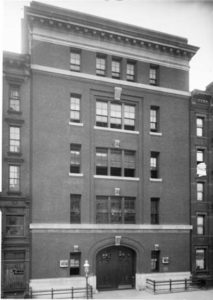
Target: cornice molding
[{"x": 122, "y": 33}]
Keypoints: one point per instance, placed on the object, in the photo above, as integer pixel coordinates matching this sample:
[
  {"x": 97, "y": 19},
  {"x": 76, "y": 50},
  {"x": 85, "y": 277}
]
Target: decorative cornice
[{"x": 103, "y": 29}]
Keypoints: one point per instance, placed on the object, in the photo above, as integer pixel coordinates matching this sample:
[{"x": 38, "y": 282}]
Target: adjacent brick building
[{"x": 104, "y": 129}]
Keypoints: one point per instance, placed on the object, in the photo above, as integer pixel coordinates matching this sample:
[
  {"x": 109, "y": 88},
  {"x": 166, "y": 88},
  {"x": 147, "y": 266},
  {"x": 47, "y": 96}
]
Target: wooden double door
[{"x": 115, "y": 268}]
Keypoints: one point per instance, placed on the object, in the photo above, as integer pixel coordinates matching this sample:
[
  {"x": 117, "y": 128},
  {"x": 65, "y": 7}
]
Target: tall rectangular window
[
  {"x": 154, "y": 210},
  {"x": 115, "y": 116},
  {"x": 129, "y": 117},
  {"x": 14, "y": 100},
  {"x": 200, "y": 258},
  {"x": 201, "y": 224},
  {"x": 154, "y": 165},
  {"x": 115, "y": 162},
  {"x": 14, "y": 139},
  {"x": 100, "y": 65},
  {"x": 101, "y": 161},
  {"x": 130, "y": 71},
  {"x": 75, "y": 108},
  {"x": 154, "y": 119},
  {"x": 14, "y": 225},
  {"x": 200, "y": 191},
  {"x": 75, "y": 60},
  {"x": 75, "y": 209},
  {"x": 116, "y": 68},
  {"x": 14, "y": 178},
  {"x": 75, "y": 158},
  {"x": 199, "y": 126},
  {"x": 155, "y": 260},
  {"x": 115, "y": 210},
  {"x": 129, "y": 163},
  {"x": 75, "y": 263},
  {"x": 200, "y": 156},
  {"x": 153, "y": 75}
]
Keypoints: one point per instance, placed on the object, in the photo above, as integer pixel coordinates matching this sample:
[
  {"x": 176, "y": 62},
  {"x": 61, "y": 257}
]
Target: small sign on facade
[
  {"x": 64, "y": 263},
  {"x": 117, "y": 240}
]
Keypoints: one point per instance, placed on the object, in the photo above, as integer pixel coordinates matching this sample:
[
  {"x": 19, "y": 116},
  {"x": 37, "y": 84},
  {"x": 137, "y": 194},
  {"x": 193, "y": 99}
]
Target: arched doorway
[{"x": 115, "y": 268}]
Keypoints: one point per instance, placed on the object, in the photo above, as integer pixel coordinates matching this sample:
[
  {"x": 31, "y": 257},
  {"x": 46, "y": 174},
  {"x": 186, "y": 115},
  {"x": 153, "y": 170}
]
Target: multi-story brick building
[
  {"x": 202, "y": 183},
  {"x": 14, "y": 198},
  {"x": 105, "y": 129}
]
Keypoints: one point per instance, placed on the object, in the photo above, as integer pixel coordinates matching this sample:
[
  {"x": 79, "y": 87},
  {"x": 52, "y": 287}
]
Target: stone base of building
[{"x": 80, "y": 282}]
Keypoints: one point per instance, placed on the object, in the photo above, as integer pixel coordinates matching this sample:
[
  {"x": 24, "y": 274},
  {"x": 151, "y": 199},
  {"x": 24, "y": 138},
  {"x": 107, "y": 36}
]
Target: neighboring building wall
[
  {"x": 15, "y": 195},
  {"x": 201, "y": 114}
]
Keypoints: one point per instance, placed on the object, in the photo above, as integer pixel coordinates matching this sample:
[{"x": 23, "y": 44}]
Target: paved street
[{"x": 144, "y": 295}]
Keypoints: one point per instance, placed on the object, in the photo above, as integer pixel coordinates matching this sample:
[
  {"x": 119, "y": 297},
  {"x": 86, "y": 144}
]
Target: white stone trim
[
  {"x": 62, "y": 72},
  {"x": 156, "y": 133},
  {"x": 98, "y": 227},
  {"x": 116, "y": 130},
  {"x": 156, "y": 179},
  {"x": 76, "y": 174},
  {"x": 116, "y": 178},
  {"x": 76, "y": 124}
]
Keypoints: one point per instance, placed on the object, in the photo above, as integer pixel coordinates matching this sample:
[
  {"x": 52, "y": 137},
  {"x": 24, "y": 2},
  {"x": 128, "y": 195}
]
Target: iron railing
[
  {"x": 72, "y": 293},
  {"x": 171, "y": 286}
]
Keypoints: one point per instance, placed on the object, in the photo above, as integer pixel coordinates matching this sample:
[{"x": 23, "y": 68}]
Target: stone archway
[{"x": 115, "y": 268}]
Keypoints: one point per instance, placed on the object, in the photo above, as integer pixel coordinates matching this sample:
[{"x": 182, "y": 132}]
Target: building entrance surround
[{"x": 115, "y": 268}]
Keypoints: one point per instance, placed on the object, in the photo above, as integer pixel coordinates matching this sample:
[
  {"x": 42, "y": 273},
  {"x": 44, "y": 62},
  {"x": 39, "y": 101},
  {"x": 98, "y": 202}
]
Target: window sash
[
  {"x": 116, "y": 69},
  {"x": 154, "y": 211},
  {"x": 14, "y": 98},
  {"x": 199, "y": 126},
  {"x": 130, "y": 71},
  {"x": 75, "y": 61},
  {"x": 14, "y": 139},
  {"x": 200, "y": 191},
  {"x": 115, "y": 210},
  {"x": 14, "y": 225},
  {"x": 200, "y": 224},
  {"x": 14, "y": 178},
  {"x": 154, "y": 119},
  {"x": 75, "y": 209},
  {"x": 200, "y": 156},
  {"x": 101, "y": 66},
  {"x": 75, "y": 109},
  {"x": 75, "y": 158},
  {"x": 153, "y": 75},
  {"x": 200, "y": 259}
]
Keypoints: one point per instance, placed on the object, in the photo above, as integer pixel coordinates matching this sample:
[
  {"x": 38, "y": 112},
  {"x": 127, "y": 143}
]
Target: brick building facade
[{"x": 104, "y": 170}]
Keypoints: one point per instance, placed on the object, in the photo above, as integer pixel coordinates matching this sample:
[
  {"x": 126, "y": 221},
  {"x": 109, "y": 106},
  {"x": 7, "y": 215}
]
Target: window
[
  {"x": 116, "y": 69},
  {"x": 200, "y": 191},
  {"x": 75, "y": 209},
  {"x": 115, "y": 210},
  {"x": 115, "y": 162},
  {"x": 200, "y": 224},
  {"x": 75, "y": 108},
  {"x": 153, "y": 75},
  {"x": 154, "y": 119},
  {"x": 200, "y": 255},
  {"x": 200, "y": 126},
  {"x": 154, "y": 210},
  {"x": 101, "y": 65},
  {"x": 129, "y": 163},
  {"x": 101, "y": 161},
  {"x": 75, "y": 61},
  {"x": 130, "y": 71},
  {"x": 14, "y": 225},
  {"x": 14, "y": 139},
  {"x": 75, "y": 263},
  {"x": 14, "y": 101},
  {"x": 75, "y": 161},
  {"x": 155, "y": 260},
  {"x": 14, "y": 178},
  {"x": 200, "y": 156},
  {"x": 154, "y": 164},
  {"x": 114, "y": 115},
  {"x": 129, "y": 117}
]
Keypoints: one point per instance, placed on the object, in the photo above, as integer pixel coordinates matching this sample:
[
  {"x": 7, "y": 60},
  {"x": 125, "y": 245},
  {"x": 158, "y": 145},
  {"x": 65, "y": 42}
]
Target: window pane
[
  {"x": 130, "y": 71},
  {"x": 200, "y": 156},
  {"x": 200, "y": 191},
  {"x": 14, "y": 225},
  {"x": 14, "y": 178},
  {"x": 129, "y": 163},
  {"x": 200, "y": 225},
  {"x": 75, "y": 263},
  {"x": 154, "y": 119},
  {"x": 153, "y": 75},
  {"x": 154, "y": 210},
  {"x": 102, "y": 213},
  {"x": 129, "y": 117},
  {"x": 14, "y": 139},
  {"x": 101, "y": 161},
  {"x": 129, "y": 210},
  {"x": 115, "y": 69},
  {"x": 115, "y": 213},
  {"x": 115, "y": 162},
  {"x": 14, "y": 101},
  {"x": 75, "y": 158},
  {"x": 115, "y": 116},
  {"x": 74, "y": 109},
  {"x": 75, "y": 61},
  {"x": 200, "y": 259},
  {"x": 100, "y": 66},
  {"x": 199, "y": 124},
  {"x": 75, "y": 212},
  {"x": 101, "y": 114}
]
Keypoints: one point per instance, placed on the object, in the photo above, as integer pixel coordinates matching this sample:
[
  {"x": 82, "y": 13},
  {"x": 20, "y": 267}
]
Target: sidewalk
[{"x": 144, "y": 295}]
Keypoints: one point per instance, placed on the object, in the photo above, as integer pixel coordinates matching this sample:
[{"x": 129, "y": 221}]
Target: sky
[{"x": 192, "y": 19}]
